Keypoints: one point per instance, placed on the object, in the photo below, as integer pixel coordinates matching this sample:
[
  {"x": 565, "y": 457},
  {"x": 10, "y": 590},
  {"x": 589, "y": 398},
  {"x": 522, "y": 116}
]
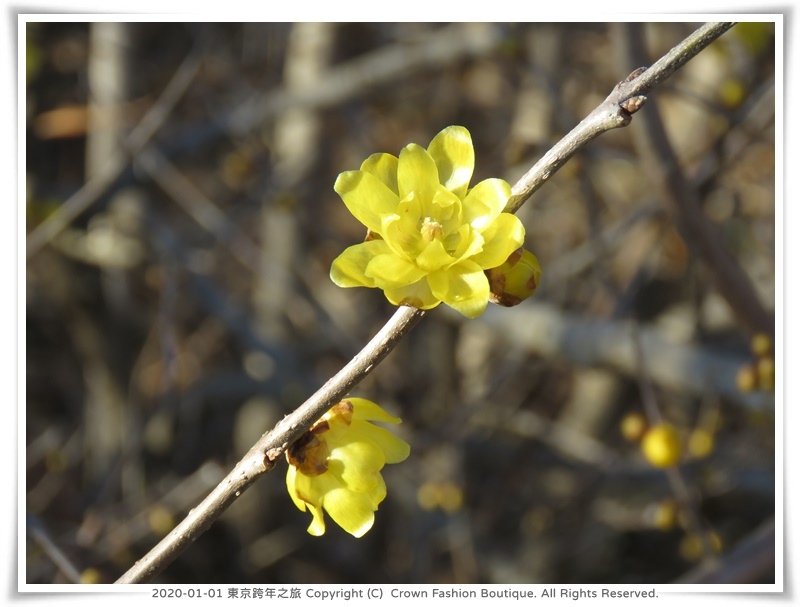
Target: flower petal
[
  {"x": 445, "y": 208},
  {"x": 503, "y": 236},
  {"x": 349, "y": 269},
  {"x": 358, "y": 464},
  {"x": 454, "y": 156},
  {"x": 313, "y": 490},
  {"x": 317, "y": 525},
  {"x": 353, "y": 512},
  {"x": 433, "y": 257},
  {"x": 291, "y": 482},
  {"x": 366, "y": 197},
  {"x": 395, "y": 449},
  {"x": 401, "y": 230},
  {"x": 384, "y": 167},
  {"x": 304, "y": 490},
  {"x": 367, "y": 410},
  {"x": 463, "y": 287},
  {"x": 417, "y": 295},
  {"x": 470, "y": 243},
  {"x": 485, "y": 202},
  {"x": 416, "y": 172},
  {"x": 372, "y": 486},
  {"x": 377, "y": 493},
  {"x": 358, "y": 453},
  {"x": 389, "y": 270}
]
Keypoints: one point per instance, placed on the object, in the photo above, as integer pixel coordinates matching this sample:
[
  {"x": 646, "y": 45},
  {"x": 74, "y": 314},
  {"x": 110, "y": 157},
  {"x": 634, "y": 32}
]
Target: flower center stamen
[{"x": 431, "y": 229}]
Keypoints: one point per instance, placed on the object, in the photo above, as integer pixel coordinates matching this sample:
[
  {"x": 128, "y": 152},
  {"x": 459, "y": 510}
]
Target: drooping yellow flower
[
  {"x": 431, "y": 235},
  {"x": 336, "y": 466}
]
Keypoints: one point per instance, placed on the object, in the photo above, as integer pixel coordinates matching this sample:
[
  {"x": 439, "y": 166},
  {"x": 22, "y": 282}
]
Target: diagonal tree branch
[
  {"x": 614, "y": 112},
  {"x": 263, "y": 455}
]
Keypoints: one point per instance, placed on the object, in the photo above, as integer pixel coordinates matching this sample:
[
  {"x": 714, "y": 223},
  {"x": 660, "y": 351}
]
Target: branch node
[
  {"x": 619, "y": 117},
  {"x": 633, "y": 104},
  {"x": 634, "y": 74},
  {"x": 272, "y": 455}
]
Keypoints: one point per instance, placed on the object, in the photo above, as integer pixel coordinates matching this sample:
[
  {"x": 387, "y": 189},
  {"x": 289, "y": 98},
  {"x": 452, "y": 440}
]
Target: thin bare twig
[
  {"x": 677, "y": 482},
  {"x": 181, "y": 495},
  {"x": 750, "y": 562},
  {"x": 544, "y": 329},
  {"x": 436, "y": 49},
  {"x": 39, "y": 534},
  {"x": 105, "y": 179},
  {"x": 700, "y": 234},
  {"x": 560, "y": 437},
  {"x": 439, "y": 49},
  {"x": 614, "y": 112},
  {"x": 199, "y": 207}
]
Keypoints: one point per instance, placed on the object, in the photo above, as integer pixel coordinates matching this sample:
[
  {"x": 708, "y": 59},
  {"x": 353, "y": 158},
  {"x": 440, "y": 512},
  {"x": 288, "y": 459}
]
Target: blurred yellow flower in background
[
  {"x": 430, "y": 236},
  {"x": 661, "y": 446},
  {"x": 336, "y": 465}
]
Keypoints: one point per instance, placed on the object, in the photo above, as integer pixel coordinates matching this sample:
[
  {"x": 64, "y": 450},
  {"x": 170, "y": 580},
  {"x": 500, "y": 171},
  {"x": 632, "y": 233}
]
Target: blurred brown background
[{"x": 185, "y": 306}]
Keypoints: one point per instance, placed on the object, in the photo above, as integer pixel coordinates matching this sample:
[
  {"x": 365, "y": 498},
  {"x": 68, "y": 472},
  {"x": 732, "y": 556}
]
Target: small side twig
[
  {"x": 371, "y": 70},
  {"x": 750, "y": 561},
  {"x": 98, "y": 185},
  {"x": 542, "y": 328},
  {"x": 199, "y": 207},
  {"x": 676, "y": 480},
  {"x": 700, "y": 234},
  {"x": 615, "y": 112},
  {"x": 39, "y": 534}
]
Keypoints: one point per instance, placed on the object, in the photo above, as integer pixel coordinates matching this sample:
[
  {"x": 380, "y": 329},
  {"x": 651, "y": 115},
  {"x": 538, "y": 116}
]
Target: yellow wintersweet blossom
[
  {"x": 336, "y": 465},
  {"x": 431, "y": 236}
]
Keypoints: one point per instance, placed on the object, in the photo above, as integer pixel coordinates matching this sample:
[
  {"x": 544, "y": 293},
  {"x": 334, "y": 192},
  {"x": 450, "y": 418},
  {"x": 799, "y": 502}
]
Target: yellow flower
[
  {"x": 430, "y": 236},
  {"x": 336, "y": 466},
  {"x": 661, "y": 446}
]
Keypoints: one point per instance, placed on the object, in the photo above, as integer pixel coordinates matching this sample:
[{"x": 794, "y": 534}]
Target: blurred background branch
[
  {"x": 189, "y": 293},
  {"x": 261, "y": 457},
  {"x": 664, "y": 170}
]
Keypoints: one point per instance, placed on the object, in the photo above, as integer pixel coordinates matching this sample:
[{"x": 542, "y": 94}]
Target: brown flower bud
[{"x": 515, "y": 280}]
